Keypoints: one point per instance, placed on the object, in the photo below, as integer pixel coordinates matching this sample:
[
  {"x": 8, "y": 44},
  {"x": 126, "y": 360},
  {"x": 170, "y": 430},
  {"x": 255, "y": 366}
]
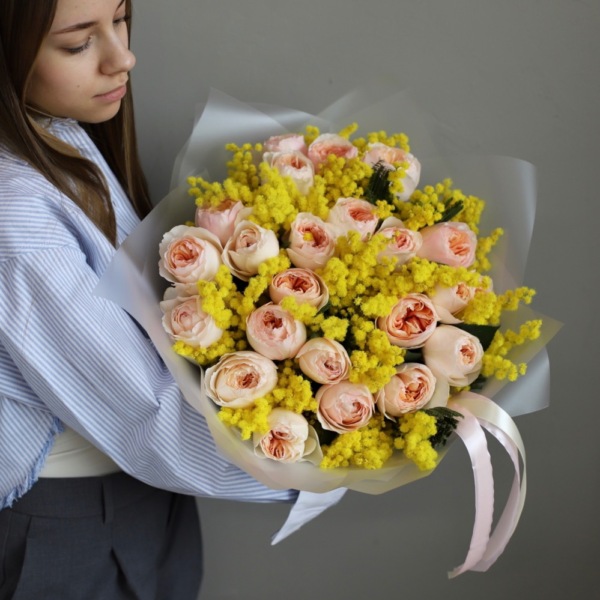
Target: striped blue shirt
[{"x": 70, "y": 357}]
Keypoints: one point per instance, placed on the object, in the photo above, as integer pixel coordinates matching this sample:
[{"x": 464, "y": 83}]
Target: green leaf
[
  {"x": 378, "y": 187},
  {"x": 477, "y": 385},
  {"x": 413, "y": 355},
  {"x": 451, "y": 211},
  {"x": 324, "y": 309},
  {"x": 446, "y": 421},
  {"x": 325, "y": 436}
]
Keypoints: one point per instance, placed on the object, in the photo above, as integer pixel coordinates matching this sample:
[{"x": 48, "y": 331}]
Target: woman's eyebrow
[
  {"x": 80, "y": 26},
  {"x": 76, "y": 27}
]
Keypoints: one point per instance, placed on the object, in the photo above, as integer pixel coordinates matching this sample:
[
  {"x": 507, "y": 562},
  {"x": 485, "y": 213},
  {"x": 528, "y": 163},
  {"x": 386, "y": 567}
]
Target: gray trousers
[{"x": 100, "y": 538}]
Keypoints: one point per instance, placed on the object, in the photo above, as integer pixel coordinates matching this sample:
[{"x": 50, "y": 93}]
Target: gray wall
[{"x": 513, "y": 77}]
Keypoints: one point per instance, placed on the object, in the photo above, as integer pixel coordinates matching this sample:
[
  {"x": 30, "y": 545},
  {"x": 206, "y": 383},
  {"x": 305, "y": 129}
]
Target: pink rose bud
[
  {"x": 404, "y": 243},
  {"x": 312, "y": 242},
  {"x": 184, "y": 319},
  {"x": 452, "y": 243},
  {"x": 290, "y": 438},
  {"x": 238, "y": 379},
  {"x": 189, "y": 254},
  {"x": 324, "y": 361},
  {"x": 412, "y": 387},
  {"x": 289, "y": 142},
  {"x": 344, "y": 406},
  {"x": 450, "y": 301},
  {"x": 330, "y": 143},
  {"x": 294, "y": 165},
  {"x": 249, "y": 246},
  {"x": 389, "y": 157},
  {"x": 353, "y": 214},
  {"x": 412, "y": 320},
  {"x": 274, "y": 333},
  {"x": 454, "y": 355},
  {"x": 304, "y": 285},
  {"x": 219, "y": 220}
]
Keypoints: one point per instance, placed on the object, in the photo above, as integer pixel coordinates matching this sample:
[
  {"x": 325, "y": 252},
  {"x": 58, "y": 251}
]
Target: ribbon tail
[
  {"x": 475, "y": 442},
  {"x": 499, "y": 424}
]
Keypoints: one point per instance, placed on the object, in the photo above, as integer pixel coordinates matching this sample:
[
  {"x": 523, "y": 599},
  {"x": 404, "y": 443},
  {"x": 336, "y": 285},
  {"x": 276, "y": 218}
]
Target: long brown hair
[{"x": 23, "y": 26}]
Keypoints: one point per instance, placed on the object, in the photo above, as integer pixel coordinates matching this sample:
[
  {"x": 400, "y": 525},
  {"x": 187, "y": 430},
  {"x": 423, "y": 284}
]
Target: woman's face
[{"x": 83, "y": 63}]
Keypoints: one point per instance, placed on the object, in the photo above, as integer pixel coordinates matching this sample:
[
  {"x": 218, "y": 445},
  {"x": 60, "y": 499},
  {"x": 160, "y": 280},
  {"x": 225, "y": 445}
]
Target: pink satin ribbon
[{"x": 479, "y": 414}]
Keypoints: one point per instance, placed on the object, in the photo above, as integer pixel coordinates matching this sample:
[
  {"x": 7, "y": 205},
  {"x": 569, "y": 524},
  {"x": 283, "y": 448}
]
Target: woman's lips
[{"x": 113, "y": 95}]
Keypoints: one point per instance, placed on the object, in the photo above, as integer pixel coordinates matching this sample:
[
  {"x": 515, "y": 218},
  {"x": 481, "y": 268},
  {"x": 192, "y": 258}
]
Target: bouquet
[
  {"x": 337, "y": 308},
  {"x": 347, "y": 317}
]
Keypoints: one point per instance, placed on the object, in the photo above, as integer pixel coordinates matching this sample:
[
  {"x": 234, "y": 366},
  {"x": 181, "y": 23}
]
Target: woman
[{"x": 99, "y": 454}]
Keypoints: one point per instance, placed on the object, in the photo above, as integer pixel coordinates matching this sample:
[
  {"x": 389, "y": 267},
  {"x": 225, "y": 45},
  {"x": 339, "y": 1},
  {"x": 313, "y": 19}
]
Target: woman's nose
[{"x": 118, "y": 58}]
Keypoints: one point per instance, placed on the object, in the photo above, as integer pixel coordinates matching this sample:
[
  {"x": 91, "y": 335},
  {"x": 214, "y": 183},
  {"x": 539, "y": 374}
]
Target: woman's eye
[
  {"x": 81, "y": 48},
  {"x": 123, "y": 19}
]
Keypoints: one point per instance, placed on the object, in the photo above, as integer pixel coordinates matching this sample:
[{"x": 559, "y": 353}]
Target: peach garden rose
[
  {"x": 184, "y": 320},
  {"x": 344, "y": 406},
  {"x": 389, "y": 156},
  {"x": 290, "y": 438},
  {"x": 240, "y": 378},
  {"x": 303, "y": 284},
  {"x": 273, "y": 331},
  {"x": 411, "y": 322},
  {"x": 295, "y": 165},
  {"x": 312, "y": 242},
  {"x": 413, "y": 387},
  {"x": 452, "y": 243},
  {"x": 451, "y": 301},
  {"x": 220, "y": 220},
  {"x": 330, "y": 143},
  {"x": 248, "y": 247},
  {"x": 454, "y": 355},
  {"x": 324, "y": 361},
  {"x": 188, "y": 254},
  {"x": 353, "y": 214},
  {"x": 404, "y": 243},
  {"x": 288, "y": 142}
]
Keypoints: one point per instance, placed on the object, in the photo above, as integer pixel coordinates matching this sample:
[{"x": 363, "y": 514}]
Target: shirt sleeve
[{"x": 92, "y": 366}]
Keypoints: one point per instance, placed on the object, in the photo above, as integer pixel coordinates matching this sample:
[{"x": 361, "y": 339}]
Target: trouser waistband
[{"x": 75, "y": 497}]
